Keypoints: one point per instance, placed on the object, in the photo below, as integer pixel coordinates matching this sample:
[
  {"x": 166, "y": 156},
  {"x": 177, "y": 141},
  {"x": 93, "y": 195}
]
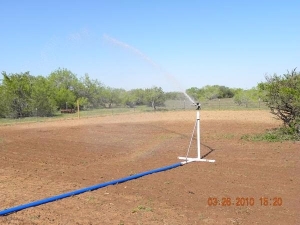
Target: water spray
[
  {"x": 151, "y": 62},
  {"x": 178, "y": 86}
]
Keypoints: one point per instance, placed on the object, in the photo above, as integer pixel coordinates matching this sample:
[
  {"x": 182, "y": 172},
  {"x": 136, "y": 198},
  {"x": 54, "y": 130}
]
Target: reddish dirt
[{"x": 39, "y": 160}]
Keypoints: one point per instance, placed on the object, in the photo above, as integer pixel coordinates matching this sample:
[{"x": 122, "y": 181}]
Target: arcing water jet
[{"x": 151, "y": 62}]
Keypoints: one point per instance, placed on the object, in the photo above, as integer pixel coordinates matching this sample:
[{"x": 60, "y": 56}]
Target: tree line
[
  {"x": 25, "y": 95},
  {"x": 239, "y": 95}
]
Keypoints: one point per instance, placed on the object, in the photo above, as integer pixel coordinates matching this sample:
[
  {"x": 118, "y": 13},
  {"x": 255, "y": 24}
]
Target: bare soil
[{"x": 40, "y": 160}]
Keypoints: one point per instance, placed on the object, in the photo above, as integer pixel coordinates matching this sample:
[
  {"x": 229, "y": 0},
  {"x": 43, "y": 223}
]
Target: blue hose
[{"x": 80, "y": 191}]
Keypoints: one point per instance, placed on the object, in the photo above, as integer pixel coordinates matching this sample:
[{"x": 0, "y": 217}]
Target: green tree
[
  {"x": 65, "y": 99},
  {"x": 42, "y": 96},
  {"x": 64, "y": 79},
  {"x": 3, "y": 102},
  {"x": 113, "y": 96},
  {"x": 139, "y": 95},
  {"x": 93, "y": 91},
  {"x": 244, "y": 97},
  {"x": 66, "y": 87},
  {"x": 83, "y": 103},
  {"x": 134, "y": 97},
  {"x": 194, "y": 92},
  {"x": 17, "y": 89},
  {"x": 225, "y": 92},
  {"x": 155, "y": 97},
  {"x": 210, "y": 92},
  {"x": 128, "y": 99},
  {"x": 282, "y": 96}
]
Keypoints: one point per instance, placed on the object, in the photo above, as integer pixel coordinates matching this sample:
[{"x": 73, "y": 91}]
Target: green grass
[
  {"x": 142, "y": 208},
  {"x": 83, "y": 114},
  {"x": 223, "y": 104},
  {"x": 6, "y": 121},
  {"x": 275, "y": 135}
]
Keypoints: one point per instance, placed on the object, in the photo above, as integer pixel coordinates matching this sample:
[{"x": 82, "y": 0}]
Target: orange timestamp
[{"x": 244, "y": 201}]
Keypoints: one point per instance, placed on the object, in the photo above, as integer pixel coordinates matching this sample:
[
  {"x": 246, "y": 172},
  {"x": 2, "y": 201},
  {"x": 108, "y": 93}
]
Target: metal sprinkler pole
[
  {"x": 198, "y": 133},
  {"x": 198, "y": 159}
]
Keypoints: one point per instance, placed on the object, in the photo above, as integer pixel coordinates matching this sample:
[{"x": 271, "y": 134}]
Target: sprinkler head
[{"x": 198, "y": 105}]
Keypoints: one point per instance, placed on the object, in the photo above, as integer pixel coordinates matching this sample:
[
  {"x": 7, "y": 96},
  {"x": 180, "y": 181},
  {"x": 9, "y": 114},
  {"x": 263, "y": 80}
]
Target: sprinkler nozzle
[{"x": 198, "y": 105}]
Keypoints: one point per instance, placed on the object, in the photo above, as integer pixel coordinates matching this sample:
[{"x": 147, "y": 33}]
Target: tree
[
  {"x": 155, "y": 97},
  {"x": 134, "y": 97},
  {"x": 113, "y": 96},
  {"x": 194, "y": 92},
  {"x": 43, "y": 97},
  {"x": 93, "y": 91},
  {"x": 66, "y": 87},
  {"x": 139, "y": 96},
  {"x": 64, "y": 79},
  {"x": 225, "y": 92},
  {"x": 175, "y": 96},
  {"x": 209, "y": 92},
  {"x": 25, "y": 95},
  {"x": 3, "y": 102},
  {"x": 16, "y": 91},
  {"x": 243, "y": 97},
  {"x": 128, "y": 99},
  {"x": 83, "y": 102},
  {"x": 65, "y": 99},
  {"x": 282, "y": 96}
]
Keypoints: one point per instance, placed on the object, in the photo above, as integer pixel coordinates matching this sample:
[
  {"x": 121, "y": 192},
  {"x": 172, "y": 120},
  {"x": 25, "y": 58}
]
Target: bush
[{"x": 282, "y": 96}]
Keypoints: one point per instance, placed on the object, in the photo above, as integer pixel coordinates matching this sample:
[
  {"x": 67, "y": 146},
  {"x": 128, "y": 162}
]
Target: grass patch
[
  {"x": 61, "y": 116},
  {"x": 275, "y": 135},
  {"x": 170, "y": 105},
  {"x": 142, "y": 208},
  {"x": 121, "y": 222}
]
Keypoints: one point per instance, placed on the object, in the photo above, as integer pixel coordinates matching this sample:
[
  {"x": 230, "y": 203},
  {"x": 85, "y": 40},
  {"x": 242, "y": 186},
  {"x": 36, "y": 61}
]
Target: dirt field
[{"x": 39, "y": 160}]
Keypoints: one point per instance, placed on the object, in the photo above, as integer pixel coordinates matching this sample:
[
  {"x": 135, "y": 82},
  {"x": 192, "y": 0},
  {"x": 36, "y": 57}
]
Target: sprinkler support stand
[{"x": 198, "y": 159}]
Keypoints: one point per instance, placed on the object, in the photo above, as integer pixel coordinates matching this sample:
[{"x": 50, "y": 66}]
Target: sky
[{"x": 140, "y": 44}]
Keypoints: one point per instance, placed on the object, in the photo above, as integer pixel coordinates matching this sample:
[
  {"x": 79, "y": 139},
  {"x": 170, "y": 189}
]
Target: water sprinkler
[
  {"x": 198, "y": 105},
  {"x": 197, "y": 125}
]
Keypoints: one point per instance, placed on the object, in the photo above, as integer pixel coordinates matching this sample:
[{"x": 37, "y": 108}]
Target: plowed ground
[{"x": 39, "y": 160}]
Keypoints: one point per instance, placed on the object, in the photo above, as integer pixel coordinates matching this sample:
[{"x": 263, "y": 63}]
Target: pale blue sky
[{"x": 195, "y": 43}]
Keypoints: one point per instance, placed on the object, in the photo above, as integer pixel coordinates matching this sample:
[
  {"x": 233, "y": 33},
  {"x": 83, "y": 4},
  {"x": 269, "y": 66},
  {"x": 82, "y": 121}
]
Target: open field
[
  {"x": 170, "y": 105},
  {"x": 43, "y": 159}
]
